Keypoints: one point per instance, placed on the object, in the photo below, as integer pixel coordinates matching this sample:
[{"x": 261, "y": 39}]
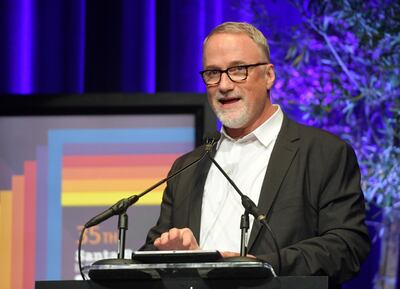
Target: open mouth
[{"x": 225, "y": 101}]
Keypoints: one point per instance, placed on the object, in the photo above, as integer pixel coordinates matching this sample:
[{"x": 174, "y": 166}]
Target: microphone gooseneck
[{"x": 247, "y": 203}]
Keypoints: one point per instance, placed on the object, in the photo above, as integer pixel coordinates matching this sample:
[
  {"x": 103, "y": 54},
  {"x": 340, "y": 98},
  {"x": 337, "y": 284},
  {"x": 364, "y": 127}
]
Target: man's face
[{"x": 239, "y": 105}]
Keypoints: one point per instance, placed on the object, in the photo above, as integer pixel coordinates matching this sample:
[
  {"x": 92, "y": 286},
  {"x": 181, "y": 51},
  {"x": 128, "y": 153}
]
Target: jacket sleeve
[{"x": 164, "y": 222}]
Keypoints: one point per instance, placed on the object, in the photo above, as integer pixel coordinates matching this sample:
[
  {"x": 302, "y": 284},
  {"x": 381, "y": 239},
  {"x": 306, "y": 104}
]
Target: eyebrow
[{"x": 232, "y": 64}]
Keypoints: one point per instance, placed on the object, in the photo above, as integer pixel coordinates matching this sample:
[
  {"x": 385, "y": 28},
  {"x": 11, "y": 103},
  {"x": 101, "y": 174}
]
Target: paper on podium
[{"x": 176, "y": 256}]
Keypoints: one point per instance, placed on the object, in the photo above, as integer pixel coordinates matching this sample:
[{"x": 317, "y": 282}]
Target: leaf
[
  {"x": 291, "y": 52},
  {"x": 298, "y": 59}
]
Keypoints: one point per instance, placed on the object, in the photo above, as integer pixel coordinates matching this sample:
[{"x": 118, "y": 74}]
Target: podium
[
  {"x": 208, "y": 275},
  {"x": 292, "y": 282}
]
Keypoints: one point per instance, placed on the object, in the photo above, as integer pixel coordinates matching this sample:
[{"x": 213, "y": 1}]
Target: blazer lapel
[
  {"x": 282, "y": 156},
  {"x": 196, "y": 197}
]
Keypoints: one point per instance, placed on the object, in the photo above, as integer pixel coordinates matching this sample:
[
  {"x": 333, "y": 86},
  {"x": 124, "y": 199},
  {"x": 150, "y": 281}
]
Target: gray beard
[{"x": 233, "y": 122}]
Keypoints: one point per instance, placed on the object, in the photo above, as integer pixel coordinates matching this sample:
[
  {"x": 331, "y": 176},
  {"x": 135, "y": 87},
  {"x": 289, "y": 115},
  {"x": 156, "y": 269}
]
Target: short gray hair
[{"x": 242, "y": 27}]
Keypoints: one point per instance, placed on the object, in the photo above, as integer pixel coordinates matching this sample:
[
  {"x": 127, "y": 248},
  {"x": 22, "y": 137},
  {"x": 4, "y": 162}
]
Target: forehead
[{"x": 224, "y": 49}]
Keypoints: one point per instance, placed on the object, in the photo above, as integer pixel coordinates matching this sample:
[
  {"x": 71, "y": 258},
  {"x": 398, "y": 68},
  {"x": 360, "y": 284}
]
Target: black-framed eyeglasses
[{"x": 237, "y": 73}]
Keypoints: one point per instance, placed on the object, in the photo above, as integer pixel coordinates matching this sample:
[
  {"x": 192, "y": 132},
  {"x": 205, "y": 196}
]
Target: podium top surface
[{"x": 206, "y": 270}]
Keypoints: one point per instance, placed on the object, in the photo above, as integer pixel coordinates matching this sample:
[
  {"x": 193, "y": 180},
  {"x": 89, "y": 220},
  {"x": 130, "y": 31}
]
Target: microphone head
[{"x": 211, "y": 139}]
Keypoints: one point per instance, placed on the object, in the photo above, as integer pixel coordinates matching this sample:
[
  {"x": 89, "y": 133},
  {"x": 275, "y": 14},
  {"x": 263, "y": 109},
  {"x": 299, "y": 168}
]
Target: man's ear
[{"x": 270, "y": 75}]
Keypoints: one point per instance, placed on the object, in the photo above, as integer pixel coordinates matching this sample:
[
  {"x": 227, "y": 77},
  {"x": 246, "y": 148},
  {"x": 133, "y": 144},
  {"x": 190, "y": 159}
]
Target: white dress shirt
[{"x": 245, "y": 160}]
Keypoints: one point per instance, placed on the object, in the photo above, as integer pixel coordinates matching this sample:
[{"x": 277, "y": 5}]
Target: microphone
[
  {"x": 247, "y": 203},
  {"x": 210, "y": 140},
  {"x": 122, "y": 205}
]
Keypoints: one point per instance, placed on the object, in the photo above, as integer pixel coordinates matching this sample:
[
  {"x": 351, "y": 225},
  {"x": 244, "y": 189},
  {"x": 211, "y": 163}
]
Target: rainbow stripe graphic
[{"x": 77, "y": 168}]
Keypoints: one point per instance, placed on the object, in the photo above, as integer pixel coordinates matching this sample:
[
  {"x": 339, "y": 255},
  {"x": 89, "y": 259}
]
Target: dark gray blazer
[{"x": 311, "y": 196}]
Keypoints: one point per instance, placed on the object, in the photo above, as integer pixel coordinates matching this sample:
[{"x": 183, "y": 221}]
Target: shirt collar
[{"x": 265, "y": 133}]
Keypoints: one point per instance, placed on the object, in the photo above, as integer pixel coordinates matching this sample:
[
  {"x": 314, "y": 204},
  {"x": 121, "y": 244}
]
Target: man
[{"x": 306, "y": 181}]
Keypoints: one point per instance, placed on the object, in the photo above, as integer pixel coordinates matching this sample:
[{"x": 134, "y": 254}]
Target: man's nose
[{"x": 226, "y": 83}]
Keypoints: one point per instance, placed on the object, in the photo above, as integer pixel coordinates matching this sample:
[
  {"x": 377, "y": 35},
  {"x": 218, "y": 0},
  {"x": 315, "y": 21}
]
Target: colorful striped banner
[
  {"x": 119, "y": 160},
  {"x": 139, "y": 172},
  {"x": 126, "y": 148},
  {"x": 17, "y": 236},
  {"x": 62, "y": 141},
  {"x": 29, "y": 224},
  {"x": 41, "y": 212},
  {"x": 5, "y": 238},
  {"x": 106, "y": 185},
  {"x": 108, "y": 198}
]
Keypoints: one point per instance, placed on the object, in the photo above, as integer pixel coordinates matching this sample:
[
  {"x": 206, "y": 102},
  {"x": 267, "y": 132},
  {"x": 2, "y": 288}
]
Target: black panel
[{"x": 113, "y": 104}]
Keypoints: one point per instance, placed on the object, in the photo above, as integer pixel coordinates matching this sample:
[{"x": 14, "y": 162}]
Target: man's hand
[{"x": 177, "y": 239}]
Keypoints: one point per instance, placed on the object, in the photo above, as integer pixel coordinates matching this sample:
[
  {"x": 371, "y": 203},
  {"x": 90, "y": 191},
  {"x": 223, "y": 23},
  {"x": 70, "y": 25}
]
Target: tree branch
[{"x": 335, "y": 54}]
